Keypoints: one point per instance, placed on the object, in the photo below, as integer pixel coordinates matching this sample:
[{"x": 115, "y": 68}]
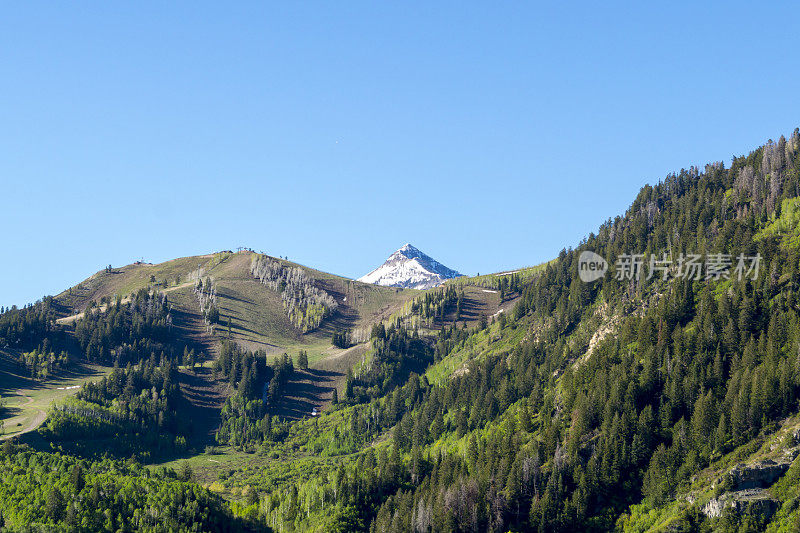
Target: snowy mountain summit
[{"x": 411, "y": 269}]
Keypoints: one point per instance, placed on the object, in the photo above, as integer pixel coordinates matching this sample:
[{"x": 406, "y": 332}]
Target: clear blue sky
[{"x": 489, "y": 135}]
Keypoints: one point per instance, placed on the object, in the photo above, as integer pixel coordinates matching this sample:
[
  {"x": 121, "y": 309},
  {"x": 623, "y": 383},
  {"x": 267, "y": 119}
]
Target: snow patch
[{"x": 409, "y": 268}]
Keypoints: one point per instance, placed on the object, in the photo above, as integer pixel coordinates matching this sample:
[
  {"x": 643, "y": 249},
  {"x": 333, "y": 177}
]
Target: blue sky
[{"x": 489, "y": 135}]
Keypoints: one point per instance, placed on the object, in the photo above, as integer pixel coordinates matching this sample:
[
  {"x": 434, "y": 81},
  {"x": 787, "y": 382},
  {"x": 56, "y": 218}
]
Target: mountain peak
[
  {"x": 410, "y": 268},
  {"x": 410, "y": 251}
]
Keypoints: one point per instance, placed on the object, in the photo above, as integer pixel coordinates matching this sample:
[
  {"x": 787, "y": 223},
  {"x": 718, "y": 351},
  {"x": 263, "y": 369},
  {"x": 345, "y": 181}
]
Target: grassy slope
[
  {"x": 125, "y": 280},
  {"x": 228, "y": 471},
  {"x": 257, "y": 318},
  {"x": 524, "y": 273},
  {"x": 294, "y": 461},
  {"x": 258, "y": 321},
  {"x": 27, "y": 400},
  {"x": 481, "y": 301}
]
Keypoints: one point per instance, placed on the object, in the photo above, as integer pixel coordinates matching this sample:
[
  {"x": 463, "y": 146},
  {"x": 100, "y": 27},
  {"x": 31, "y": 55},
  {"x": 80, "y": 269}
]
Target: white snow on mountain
[{"x": 410, "y": 268}]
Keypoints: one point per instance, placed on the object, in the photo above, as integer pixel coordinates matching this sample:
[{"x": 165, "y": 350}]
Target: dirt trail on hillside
[
  {"x": 37, "y": 420},
  {"x": 72, "y": 318}
]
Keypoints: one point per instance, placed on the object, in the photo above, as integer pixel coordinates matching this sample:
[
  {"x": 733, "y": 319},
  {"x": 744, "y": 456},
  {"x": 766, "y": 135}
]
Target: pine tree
[{"x": 55, "y": 504}]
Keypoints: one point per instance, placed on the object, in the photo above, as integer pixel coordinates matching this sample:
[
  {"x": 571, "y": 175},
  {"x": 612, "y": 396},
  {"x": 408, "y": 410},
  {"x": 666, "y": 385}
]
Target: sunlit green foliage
[{"x": 42, "y": 490}]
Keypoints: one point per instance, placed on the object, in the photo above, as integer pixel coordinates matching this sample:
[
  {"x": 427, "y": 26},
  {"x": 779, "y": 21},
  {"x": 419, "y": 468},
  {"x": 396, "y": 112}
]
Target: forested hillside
[
  {"x": 593, "y": 406},
  {"x": 54, "y": 492},
  {"x": 661, "y": 396},
  {"x": 154, "y": 346}
]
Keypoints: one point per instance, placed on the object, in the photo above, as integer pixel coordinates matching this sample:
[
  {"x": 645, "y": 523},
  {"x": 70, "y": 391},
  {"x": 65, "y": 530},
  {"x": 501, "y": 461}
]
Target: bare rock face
[
  {"x": 792, "y": 453},
  {"x": 757, "y": 475},
  {"x": 748, "y": 496},
  {"x": 756, "y": 502}
]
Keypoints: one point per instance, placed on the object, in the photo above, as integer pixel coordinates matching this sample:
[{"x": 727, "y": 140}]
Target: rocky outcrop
[
  {"x": 791, "y": 454},
  {"x": 748, "y": 496},
  {"x": 756, "y": 502},
  {"x": 757, "y": 475}
]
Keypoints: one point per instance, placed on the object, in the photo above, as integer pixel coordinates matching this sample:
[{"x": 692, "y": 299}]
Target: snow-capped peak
[{"x": 410, "y": 268}]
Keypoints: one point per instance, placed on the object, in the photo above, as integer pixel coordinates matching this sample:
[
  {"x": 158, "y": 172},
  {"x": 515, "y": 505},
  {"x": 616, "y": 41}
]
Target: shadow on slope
[
  {"x": 305, "y": 391},
  {"x": 203, "y": 397}
]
